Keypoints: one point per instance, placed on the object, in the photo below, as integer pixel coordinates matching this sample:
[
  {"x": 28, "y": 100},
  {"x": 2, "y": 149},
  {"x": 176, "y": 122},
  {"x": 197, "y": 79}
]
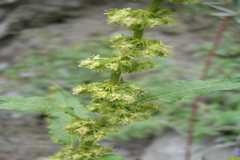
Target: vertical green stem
[
  {"x": 138, "y": 33},
  {"x": 154, "y": 6},
  {"x": 116, "y": 76}
]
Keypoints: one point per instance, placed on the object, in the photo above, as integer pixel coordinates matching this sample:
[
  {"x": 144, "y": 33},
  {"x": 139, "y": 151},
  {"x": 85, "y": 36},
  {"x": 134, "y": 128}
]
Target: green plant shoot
[{"x": 115, "y": 103}]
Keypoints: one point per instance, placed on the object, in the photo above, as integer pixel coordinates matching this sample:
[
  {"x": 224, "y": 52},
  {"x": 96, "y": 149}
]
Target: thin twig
[
  {"x": 216, "y": 43},
  {"x": 211, "y": 55},
  {"x": 229, "y": 56}
]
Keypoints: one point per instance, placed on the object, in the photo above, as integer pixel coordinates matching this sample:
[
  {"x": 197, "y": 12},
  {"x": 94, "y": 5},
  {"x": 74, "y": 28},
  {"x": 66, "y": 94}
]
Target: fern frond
[
  {"x": 140, "y": 129},
  {"x": 186, "y": 89},
  {"x": 111, "y": 157},
  {"x": 57, "y": 123},
  {"x": 24, "y": 104},
  {"x": 60, "y": 106}
]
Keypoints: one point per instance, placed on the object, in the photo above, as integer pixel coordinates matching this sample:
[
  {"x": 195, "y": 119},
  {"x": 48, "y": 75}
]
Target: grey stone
[
  {"x": 220, "y": 152},
  {"x": 36, "y": 13},
  {"x": 170, "y": 147},
  {"x": 4, "y": 145},
  {"x": 2, "y": 13},
  {"x": 64, "y": 3},
  {"x": 4, "y": 2},
  {"x": 27, "y": 16},
  {"x": 3, "y": 66},
  {"x": 3, "y": 29},
  {"x": 43, "y": 158}
]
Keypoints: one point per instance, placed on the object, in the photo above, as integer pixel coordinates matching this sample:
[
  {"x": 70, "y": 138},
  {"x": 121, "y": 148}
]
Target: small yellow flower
[
  {"x": 82, "y": 131},
  {"x": 77, "y": 90}
]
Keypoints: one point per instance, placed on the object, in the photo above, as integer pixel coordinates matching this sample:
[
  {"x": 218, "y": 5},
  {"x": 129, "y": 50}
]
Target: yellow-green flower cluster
[
  {"x": 111, "y": 92},
  {"x": 138, "y": 18},
  {"x": 130, "y": 46},
  {"x": 95, "y": 152},
  {"x": 125, "y": 64},
  {"x": 88, "y": 130},
  {"x": 134, "y": 55},
  {"x": 100, "y": 64},
  {"x": 116, "y": 103}
]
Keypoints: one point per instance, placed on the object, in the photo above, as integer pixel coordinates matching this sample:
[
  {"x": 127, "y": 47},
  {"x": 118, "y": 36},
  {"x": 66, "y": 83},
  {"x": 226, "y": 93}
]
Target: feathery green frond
[
  {"x": 114, "y": 103},
  {"x": 111, "y": 157},
  {"x": 182, "y": 90},
  {"x": 57, "y": 122},
  {"x": 24, "y": 104},
  {"x": 61, "y": 108}
]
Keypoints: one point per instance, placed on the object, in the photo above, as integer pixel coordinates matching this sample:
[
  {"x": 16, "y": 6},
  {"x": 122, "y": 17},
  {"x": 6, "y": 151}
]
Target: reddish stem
[
  {"x": 216, "y": 43},
  {"x": 211, "y": 55}
]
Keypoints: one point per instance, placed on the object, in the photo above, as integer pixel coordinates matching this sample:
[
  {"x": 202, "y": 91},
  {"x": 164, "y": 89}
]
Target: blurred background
[{"x": 42, "y": 42}]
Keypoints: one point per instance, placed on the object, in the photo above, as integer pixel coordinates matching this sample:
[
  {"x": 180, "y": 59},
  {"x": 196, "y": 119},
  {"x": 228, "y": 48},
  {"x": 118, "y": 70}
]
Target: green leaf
[
  {"x": 112, "y": 157},
  {"x": 57, "y": 123},
  {"x": 182, "y": 90},
  {"x": 24, "y": 104},
  {"x": 69, "y": 107},
  {"x": 140, "y": 130}
]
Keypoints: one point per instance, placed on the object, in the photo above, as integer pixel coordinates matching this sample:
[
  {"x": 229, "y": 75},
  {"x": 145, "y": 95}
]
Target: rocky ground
[{"x": 30, "y": 25}]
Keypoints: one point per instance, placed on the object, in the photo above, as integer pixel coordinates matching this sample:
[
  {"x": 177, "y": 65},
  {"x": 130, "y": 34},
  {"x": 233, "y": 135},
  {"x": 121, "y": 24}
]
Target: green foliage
[
  {"x": 60, "y": 107},
  {"x": 177, "y": 91},
  {"x": 231, "y": 9},
  {"x": 228, "y": 55},
  {"x": 116, "y": 103},
  {"x": 112, "y": 157},
  {"x": 143, "y": 47},
  {"x": 35, "y": 72},
  {"x": 174, "y": 115},
  {"x": 221, "y": 8},
  {"x": 221, "y": 121},
  {"x": 219, "y": 117},
  {"x": 128, "y": 48},
  {"x": 221, "y": 112},
  {"x": 142, "y": 129},
  {"x": 138, "y": 18}
]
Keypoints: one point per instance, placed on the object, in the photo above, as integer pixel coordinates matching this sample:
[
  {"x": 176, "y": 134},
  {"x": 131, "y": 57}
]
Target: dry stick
[{"x": 211, "y": 55}]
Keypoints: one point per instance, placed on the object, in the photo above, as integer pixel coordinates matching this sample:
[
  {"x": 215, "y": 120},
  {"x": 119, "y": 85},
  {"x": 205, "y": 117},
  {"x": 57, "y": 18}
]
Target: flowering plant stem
[{"x": 115, "y": 103}]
